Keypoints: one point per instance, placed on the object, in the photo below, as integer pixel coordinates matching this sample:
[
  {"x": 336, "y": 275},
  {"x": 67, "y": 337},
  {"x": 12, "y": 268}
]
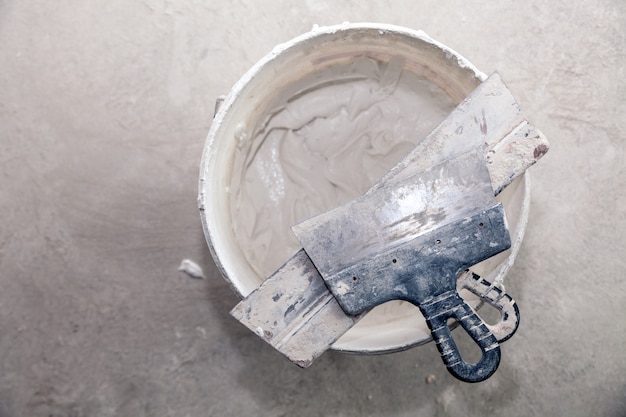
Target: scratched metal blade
[
  {"x": 424, "y": 267},
  {"x": 300, "y": 318},
  {"x": 391, "y": 216}
]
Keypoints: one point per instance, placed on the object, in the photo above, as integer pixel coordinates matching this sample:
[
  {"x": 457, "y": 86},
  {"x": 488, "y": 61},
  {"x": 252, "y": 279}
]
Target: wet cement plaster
[{"x": 104, "y": 107}]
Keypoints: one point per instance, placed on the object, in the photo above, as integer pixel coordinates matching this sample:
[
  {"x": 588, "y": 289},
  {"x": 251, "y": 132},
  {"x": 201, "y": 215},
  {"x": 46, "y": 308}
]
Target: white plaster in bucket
[{"x": 258, "y": 101}]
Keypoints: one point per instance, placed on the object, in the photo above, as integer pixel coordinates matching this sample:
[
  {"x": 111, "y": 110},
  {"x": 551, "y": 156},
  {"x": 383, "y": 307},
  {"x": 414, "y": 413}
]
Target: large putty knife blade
[{"x": 409, "y": 241}]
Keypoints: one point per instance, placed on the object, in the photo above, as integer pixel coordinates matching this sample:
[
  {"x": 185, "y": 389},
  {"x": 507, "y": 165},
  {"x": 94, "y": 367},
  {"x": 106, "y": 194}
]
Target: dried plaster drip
[
  {"x": 323, "y": 142},
  {"x": 192, "y": 269}
]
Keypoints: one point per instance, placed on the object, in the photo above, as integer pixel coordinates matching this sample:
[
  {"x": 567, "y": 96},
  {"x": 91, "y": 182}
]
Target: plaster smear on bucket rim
[{"x": 325, "y": 140}]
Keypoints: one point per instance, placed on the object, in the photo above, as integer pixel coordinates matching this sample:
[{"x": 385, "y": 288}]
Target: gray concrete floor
[{"x": 104, "y": 107}]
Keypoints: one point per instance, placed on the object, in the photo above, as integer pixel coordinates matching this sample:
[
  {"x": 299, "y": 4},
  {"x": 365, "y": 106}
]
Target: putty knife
[
  {"x": 293, "y": 309},
  {"x": 409, "y": 240}
]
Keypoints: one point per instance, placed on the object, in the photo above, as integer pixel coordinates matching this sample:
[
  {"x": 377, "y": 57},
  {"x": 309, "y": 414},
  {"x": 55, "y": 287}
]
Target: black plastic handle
[
  {"x": 437, "y": 311},
  {"x": 494, "y": 296}
]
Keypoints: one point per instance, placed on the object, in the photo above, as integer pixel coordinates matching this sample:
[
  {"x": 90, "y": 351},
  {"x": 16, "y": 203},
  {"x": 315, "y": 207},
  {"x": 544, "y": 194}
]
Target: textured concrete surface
[{"x": 104, "y": 107}]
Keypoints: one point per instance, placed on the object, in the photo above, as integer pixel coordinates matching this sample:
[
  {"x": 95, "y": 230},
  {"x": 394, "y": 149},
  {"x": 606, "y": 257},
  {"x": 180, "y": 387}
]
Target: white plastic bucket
[{"x": 395, "y": 325}]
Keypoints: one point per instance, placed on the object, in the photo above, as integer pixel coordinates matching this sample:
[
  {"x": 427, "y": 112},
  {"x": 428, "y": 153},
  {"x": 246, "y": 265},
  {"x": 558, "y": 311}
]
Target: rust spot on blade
[
  {"x": 540, "y": 151},
  {"x": 482, "y": 123}
]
